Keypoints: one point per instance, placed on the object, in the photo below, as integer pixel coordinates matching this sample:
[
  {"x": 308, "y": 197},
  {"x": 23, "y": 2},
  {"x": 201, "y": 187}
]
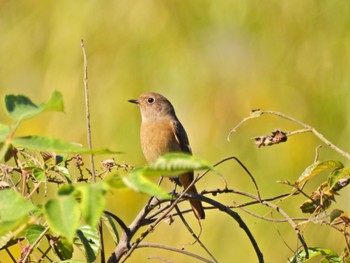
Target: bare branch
[
  {"x": 306, "y": 128},
  {"x": 87, "y": 109},
  {"x": 180, "y": 251},
  {"x": 193, "y": 234}
]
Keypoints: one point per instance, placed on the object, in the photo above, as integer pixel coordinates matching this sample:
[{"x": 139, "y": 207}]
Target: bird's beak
[{"x": 134, "y": 101}]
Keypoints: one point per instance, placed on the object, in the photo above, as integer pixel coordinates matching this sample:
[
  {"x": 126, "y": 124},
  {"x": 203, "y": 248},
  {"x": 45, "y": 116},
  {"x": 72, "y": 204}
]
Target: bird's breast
[{"x": 158, "y": 138}]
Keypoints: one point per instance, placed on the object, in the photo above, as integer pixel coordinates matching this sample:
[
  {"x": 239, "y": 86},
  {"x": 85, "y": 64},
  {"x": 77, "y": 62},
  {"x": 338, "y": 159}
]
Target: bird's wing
[{"x": 181, "y": 136}]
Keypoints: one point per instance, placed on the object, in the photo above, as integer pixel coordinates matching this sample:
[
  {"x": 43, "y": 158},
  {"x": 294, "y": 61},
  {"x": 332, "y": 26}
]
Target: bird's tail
[{"x": 196, "y": 204}]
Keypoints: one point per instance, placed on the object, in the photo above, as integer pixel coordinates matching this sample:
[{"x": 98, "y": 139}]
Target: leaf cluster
[{"x": 68, "y": 218}]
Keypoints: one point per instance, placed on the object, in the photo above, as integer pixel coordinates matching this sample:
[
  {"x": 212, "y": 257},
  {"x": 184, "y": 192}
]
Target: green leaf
[
  {"x": 90, "y": 239},
  {"x": 49, "y": 144},
  {"x": 14, "y": 210},
  {"x": 39, "y": 174},
  {"x": 64, "y": 171},
  {"x": 315, "y": 252},
  {"x": 66, "y": 189},
  {"x": 92, "y": 202},
  {"x": 316, "y": 168},
  {"x": 115, "y": 181},
  {"x": 55, "y": 102},
  {"x": 111, "y": 227},
  {"x": 4, "y": 132},
  {"x": 63, "y": 215},
  {"x": 21, "y": 108},
  {"x": 176, "y": 163},
  {"x": 139, "y": 183},
  {"x": 33, "y": 232},
  {"x": 336, "y": 175},
  {"x": 7, "y": 240},
  {"x": 336, "y": 213},
  {"x": 63, "y": 249}
]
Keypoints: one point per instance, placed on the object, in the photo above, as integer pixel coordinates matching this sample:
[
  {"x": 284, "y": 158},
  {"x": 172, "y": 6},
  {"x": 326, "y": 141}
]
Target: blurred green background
[{"x": 216, "y": 61}]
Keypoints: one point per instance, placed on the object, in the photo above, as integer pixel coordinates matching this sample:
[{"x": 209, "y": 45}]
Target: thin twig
[
  {"x": 307, "y": 128},
  {"x": 31, "y": 248},
  {"x": 87, "y": 109},
  {"x": 160, "y": 258},
  {"x": 147, "y": 244},
  {"x": 44, "y": 254},
  {"x": 102, "y": 249},
  {"x": 34, "y": 190},
  {"x": 193, "y": 234},
  {"x": 317, "y": 153},
  {"x": 10, "y": 255},
  {"x": 241, "y": 164},
  {"x": 156, "y": 222},
  {"x": 276, "y": 208},
  {"x": 238, "y": 219}
]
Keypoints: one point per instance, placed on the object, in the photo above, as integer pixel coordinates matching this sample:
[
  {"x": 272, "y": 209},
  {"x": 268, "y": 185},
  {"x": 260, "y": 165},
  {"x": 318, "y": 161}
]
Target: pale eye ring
[{"x": 151, "y": 100}]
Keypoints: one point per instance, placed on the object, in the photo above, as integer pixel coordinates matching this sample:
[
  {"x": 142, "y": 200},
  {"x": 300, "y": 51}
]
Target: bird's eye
[{"x": 151, "y": 100}]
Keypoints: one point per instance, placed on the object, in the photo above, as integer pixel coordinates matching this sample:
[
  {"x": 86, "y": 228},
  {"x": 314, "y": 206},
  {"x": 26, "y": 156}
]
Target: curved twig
[
  {"x": 273, "y": 206},
  {"x": 306, "y": 128},
  {"x": 153, "y": 245},
  {"x": 31, "y": 248},
  {"x": 87, "y": 109},
  {"x": 119, "y": 221},
  {"x": 193, "y": 234},
  {"x": 240, "y": 163},
  {"x": 235, "y": 216}
]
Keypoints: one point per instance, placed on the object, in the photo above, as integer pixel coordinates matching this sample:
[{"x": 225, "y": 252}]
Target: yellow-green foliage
[{"x": 215, "y": 60}]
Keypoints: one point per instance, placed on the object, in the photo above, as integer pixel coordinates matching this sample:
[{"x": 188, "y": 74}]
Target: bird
[{"x": 161, "y": 132}]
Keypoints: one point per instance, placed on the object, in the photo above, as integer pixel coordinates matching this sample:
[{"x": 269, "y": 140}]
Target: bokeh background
[{"x": 216, "y": 61}]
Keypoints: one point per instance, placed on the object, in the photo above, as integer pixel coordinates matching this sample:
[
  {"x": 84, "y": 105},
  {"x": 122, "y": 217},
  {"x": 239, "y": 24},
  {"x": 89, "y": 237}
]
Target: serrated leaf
[
  {"x": 14, "y": 210},
  {"x": 50, "y": 144},
  {"x": 315, "y": 252},
  {"x": 336, "y": 175},
  {"x": 63, "y": 215},
  {"x": 139, "y": 183},
  {"x": 316, "y": 168},
  {"x": 92, "y": 202},
  {"x": 176, "y": 163},
  {"x": 90, "y": 239},
  {"x": 33, "y": 232},
  {"x": 21, "y": 108}
]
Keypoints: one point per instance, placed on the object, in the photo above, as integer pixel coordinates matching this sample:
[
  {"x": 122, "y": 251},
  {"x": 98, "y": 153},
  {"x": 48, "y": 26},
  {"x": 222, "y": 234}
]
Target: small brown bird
[{"x": 162, "y": 132}]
